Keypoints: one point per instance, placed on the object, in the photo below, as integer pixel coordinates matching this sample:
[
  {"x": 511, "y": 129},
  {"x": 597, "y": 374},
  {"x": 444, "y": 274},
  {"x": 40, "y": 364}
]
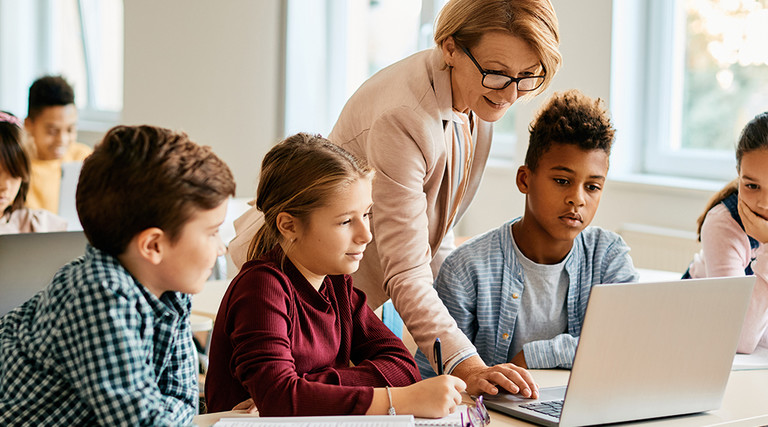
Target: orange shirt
[{"x": 45, "y": 178}]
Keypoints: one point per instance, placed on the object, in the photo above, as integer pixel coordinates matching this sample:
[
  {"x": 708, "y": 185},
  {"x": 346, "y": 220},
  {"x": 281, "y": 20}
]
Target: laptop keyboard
[{"x": 551, "y": 408}]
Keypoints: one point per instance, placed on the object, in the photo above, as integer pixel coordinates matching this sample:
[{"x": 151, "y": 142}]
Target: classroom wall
[
  {"x": 215, "y": 70},
  {"x": 212, "y": 69}
]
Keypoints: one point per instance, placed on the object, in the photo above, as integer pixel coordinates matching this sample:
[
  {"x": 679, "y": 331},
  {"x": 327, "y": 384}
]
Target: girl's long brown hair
[{"x": 298, "y": 175}]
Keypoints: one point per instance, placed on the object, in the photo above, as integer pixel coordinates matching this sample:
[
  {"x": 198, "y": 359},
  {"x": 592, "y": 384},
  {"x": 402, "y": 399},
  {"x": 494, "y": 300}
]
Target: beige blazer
[{"x": 399, "y": 121}]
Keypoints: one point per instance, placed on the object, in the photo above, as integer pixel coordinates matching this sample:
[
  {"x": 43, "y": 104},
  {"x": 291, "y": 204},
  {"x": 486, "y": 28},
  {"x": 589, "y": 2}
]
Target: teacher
[{"x": 425, "y": 125}]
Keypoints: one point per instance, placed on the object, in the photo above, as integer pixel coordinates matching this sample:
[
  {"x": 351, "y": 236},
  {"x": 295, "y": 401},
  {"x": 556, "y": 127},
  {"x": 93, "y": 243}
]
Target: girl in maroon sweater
[{"x": 292, "y": 333}]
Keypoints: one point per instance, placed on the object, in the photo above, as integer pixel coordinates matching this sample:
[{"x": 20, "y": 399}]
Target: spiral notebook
[{"x": 452, "y": 420}]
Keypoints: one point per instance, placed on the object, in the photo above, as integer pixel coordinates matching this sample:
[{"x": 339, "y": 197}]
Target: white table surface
[{"x": 745, "y": 403}]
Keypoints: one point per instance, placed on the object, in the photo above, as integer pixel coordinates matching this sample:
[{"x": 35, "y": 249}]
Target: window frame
[
  {"x": 653, "y": 81},
  {"x": 26, "y": 37},
  {"x": 314, "y": 103}
]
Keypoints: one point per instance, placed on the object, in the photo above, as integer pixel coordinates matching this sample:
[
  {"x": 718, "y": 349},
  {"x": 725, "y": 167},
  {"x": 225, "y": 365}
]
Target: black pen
[{"x": 438, "y": 356}]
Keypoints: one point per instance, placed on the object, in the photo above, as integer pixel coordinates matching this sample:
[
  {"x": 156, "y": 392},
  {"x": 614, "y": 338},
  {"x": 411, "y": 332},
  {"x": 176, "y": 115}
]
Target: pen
[{"x": 438, "y": 356}]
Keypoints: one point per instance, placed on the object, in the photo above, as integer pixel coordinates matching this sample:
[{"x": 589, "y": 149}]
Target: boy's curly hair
[{"x": 569, "y": 118}]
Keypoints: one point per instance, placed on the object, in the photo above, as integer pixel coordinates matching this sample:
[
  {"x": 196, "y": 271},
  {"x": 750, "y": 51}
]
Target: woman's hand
[
  {"x": 431, "y": 398},
  {"x": 484, "y": 379},
  {"x": 754, "y": 225},
  {"x": 248, "y": 406}
]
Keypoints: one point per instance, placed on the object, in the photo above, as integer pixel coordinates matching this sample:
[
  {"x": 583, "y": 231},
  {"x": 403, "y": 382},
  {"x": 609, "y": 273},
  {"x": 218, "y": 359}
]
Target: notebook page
[
  {"x": 451, "y": 420},
  {"x": 342, "y": 421}
]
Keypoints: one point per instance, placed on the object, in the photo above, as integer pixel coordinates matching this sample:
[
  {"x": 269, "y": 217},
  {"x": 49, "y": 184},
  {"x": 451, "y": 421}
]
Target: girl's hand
[
  {"x": 431, "y": 398},
  {"x": 754, "y": 225},
  {"x": 248, "y": 406}
]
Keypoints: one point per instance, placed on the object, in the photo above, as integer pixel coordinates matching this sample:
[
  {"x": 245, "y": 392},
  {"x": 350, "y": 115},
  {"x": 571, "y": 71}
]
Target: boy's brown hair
[
  {"x": 140, "y": 177},
  {"x": 569, "y": 118}
]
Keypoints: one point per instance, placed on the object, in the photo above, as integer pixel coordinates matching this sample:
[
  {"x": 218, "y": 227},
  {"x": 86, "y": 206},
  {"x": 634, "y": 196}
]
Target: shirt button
[
  {"x": 505, "y": 336},
  {"x": 515, "y": 295}
]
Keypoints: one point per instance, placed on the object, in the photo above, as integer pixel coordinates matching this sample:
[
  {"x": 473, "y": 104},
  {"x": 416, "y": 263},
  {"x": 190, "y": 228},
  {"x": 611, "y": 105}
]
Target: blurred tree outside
[{"x": 726, "y": 71}]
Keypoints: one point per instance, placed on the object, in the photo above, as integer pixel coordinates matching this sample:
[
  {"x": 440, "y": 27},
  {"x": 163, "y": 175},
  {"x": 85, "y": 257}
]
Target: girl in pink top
[
  {"x": 734, "y": 231},
  {"x": 14, "y": 184},
  {"x": 292, "y": 334}
]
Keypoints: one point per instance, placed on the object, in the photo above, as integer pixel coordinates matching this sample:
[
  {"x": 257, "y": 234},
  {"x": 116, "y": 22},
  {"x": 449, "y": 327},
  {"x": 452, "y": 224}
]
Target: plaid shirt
[{"x": 96, "y": 347}]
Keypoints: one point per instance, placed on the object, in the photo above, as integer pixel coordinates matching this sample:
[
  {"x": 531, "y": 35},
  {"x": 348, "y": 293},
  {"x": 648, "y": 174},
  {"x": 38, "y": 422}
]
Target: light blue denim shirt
[{"x": 481, "y": 284}]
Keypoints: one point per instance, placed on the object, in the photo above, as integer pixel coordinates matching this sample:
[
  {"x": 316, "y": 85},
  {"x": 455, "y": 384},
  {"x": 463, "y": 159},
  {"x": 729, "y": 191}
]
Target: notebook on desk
[
  {"x": 320, "y": 421},
  {"x": 646, "y": 350},
  {"x": 28, "y": 262}
]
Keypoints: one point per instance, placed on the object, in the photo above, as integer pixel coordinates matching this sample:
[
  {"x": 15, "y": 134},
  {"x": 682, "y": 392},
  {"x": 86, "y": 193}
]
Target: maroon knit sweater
[{"x": 278, "y": 340}]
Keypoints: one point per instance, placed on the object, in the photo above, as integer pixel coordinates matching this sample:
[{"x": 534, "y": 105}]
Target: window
[
  {"x": 79, "y": 39},
  {"x": 343, "y": 43},
  {"x": 697, "y": 71}
]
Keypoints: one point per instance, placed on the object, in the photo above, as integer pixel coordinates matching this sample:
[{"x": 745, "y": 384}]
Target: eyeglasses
[
  {"x": 499, "y": 81},
  {"x": 477, "y": 416}
]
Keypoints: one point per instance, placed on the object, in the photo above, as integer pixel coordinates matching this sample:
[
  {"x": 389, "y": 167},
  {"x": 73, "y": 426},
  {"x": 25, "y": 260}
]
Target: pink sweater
[
  {"x": 289, "y": 347},
  {"x": 726, "y": 252}
]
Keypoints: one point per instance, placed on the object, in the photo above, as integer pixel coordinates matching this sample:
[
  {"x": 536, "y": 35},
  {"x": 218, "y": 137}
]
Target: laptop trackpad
[{"x": 545, "y": 394}]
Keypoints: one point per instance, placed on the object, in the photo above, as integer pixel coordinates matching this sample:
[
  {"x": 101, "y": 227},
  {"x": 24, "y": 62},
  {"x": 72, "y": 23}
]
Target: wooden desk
[{"x": 745, "y": 404}]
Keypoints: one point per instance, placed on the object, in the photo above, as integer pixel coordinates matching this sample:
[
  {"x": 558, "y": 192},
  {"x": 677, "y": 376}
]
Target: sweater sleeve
[
  {"x": 724, "y": 245},
  {"x": 726, "y": 252},
  {"x": 457, "y": 287},
  {"x": 755, "y": 329},
  {"x": 261, "y": 320},
  {"x": 400, "y": 147},
  {"x": 379, "y": 356}
]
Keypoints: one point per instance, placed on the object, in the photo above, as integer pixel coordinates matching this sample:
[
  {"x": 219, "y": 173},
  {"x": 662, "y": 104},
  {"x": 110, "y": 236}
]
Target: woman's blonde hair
[
  {"x": 298, "y": 175},
  {"x": 533, "y": 21}
]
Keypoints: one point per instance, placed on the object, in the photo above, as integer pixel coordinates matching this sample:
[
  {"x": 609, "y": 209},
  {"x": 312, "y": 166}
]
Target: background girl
[
  {"x": 291, "y": 332},
  {"x": 14, "y": 184},
  {"x": 734, "y": 231}
]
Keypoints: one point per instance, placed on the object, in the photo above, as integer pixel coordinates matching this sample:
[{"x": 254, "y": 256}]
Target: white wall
[{"x": 212, "y": 69}]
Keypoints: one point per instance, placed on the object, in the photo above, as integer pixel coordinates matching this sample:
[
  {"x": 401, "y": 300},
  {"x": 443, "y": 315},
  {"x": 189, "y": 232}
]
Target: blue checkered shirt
[
  {"x": 97, "y": 348},
  {"x": 481, "y": 283}
]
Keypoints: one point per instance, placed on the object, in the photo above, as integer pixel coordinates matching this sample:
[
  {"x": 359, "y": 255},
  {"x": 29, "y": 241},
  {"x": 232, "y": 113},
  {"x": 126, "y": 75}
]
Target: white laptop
[
  {"x": 70, "y": 174},
  {"x": 646, "y": 350},
  {"x": 28, "y": 262}
]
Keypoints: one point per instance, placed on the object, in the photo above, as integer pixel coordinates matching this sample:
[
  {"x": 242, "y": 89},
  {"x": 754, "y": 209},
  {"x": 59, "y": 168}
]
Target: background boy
[
  {"x": 51, "y": 126},
  {"x": 108, "y": 342},
  {"x": 520, "y": 292}
]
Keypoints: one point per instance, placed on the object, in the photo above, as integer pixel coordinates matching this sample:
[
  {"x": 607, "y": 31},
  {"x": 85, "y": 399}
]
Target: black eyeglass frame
[{"x": 517, "y": 80}]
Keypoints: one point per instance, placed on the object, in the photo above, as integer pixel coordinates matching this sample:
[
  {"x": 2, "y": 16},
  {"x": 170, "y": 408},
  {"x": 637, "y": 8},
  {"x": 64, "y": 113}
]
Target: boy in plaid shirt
[{"x": 108, "y": 341}]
